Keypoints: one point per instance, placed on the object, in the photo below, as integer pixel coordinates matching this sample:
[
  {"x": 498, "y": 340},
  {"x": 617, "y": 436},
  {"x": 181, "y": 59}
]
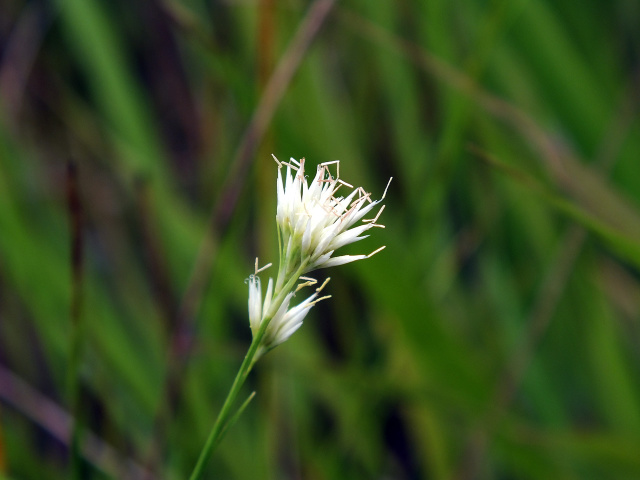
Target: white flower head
[{"x": 314, "y": 220}]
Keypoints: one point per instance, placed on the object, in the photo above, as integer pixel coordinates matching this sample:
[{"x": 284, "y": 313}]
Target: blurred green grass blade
[
  {"x": 585, "y": 453},
  {"x": 599, "y": 197},
  {"x": 37, "y": 270},
  {"x": 566, "y": 80},
  {"x": 624, "y": 238},
  {"x": 444, "y": 359},
  {"x": 616, "y": 384},
  {"x": 536, "y": 387},
  {"x": 40, "y": 268},
  {"x": 93, "y": 37},
  {"x": 399, "y": 90}
]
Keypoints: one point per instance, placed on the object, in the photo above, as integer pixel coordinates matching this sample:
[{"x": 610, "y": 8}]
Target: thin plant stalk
[
  {"x": 224, "y": 419},
  {"x": 76, "y": 331},
  {"x": 220, "y": 426}
]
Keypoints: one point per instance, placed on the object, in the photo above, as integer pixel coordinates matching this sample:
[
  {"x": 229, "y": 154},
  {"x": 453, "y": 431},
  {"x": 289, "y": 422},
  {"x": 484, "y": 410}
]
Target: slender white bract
[{"x": 313, "y": 222}]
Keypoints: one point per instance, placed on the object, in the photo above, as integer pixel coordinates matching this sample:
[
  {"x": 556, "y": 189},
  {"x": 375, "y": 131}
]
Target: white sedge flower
[{"x": 313, "y": 221}]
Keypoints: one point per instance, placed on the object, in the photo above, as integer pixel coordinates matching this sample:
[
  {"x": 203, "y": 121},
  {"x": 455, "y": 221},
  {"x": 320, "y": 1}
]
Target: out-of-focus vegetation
[{"x": 496, "y": 336}]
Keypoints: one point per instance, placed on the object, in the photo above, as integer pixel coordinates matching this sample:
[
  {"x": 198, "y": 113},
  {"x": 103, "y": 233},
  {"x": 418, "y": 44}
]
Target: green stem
[
  {"x": 218, "y": 429},
  {"x": 220, "y": 426}
]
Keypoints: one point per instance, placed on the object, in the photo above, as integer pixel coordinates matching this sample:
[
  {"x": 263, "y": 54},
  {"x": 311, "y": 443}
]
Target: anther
[
  {"x": 324, "y": 284},
  {"x": 258, "y": 270},
  {"x": 387, "y": 187},
  {"x": 334, "y": 162},
  {"x": 318, "y": 300},
  {"x": 376, "y": 251},
  {"x": 375, "y": 219},
  {"x": 305, "y": 284}
]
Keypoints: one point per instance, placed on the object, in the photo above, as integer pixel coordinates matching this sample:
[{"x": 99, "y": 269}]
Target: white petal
[
  {"x": 280, "y": 189},
  {"x": 255, "y": 300},
  {"x": 343, "y": 203},
  {"x": 349, "y": 236},
  {"x": 328, "y": 234},
  {"x": 306, "y": 238},
  {"x": 333, "y": 262},
  {"x": 267, "y": 297},
  {"x": 320, "y": 261},
  {"x": 356, "y": 215},
  {"x": 294, "y": 313},
  {"x": 279, "y": 315},
  {"x": 285, "y": 333},
  {"x": 291, "y": 321}
]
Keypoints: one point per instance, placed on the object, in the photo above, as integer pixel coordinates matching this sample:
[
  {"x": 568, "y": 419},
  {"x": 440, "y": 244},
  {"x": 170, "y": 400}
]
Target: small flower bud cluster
[
  {"x": 285, "y": 320},
  {"x": 313, "y": 222}
]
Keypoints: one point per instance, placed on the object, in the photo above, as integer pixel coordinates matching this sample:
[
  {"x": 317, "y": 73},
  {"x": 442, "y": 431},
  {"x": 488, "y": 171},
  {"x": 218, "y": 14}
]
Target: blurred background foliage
[{"x": 496, "y": 336}]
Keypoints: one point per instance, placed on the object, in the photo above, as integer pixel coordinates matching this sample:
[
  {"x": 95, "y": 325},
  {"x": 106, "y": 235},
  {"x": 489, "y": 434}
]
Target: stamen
[
  {"x": 321, "y": 178},
  {"x": 355, "y": 206},
  {"x": 324, "y": 284},
  {"x": 387, "y": 187},
  {"x": 376, "y": 251},
  {"x": 258, "y": 270},
  {"x": 345, "y": 183},
  {"x": 277, "y": 161},
  {"x": 318, "y": 300},
  {"x": 334, "y": 162},
  {"x": 288, "y": 164},
  {"x": 264, "y": 268},
  {"x": 305, "y": 284},
  {"x": 329, "y": 210},
  {"x": 375, "y": 219},
  {"x": 329, "y": 178},
  {"x": 363, "y": 194}
]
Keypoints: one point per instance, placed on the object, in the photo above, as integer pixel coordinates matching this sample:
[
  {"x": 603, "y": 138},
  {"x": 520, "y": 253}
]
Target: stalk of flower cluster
[{"x": 313, "y": 222}]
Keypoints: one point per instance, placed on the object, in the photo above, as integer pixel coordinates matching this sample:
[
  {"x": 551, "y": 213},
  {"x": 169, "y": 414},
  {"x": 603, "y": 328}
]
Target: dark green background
[{"x": 495, "y": 337}]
